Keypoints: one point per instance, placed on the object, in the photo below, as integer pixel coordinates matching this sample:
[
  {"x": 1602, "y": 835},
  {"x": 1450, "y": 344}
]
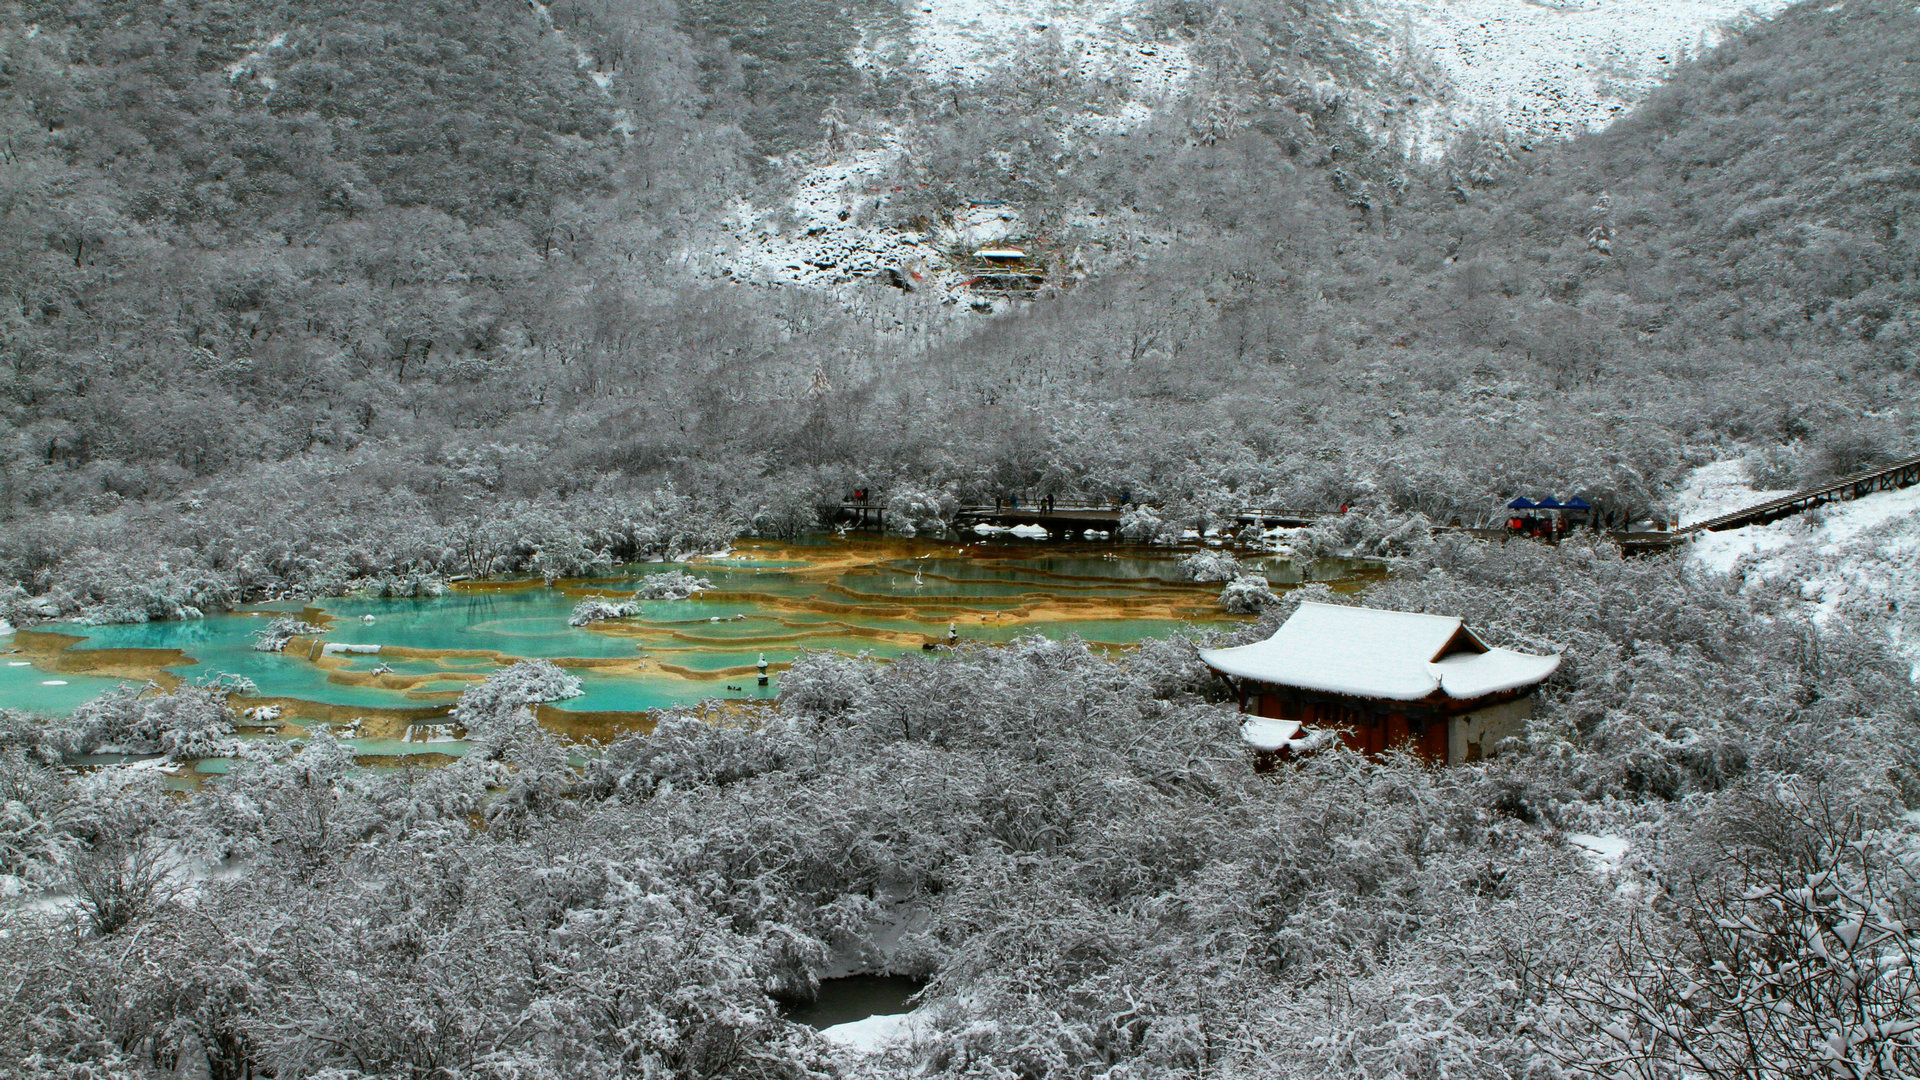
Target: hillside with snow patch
[
  {"x": 1547, "y": 69},
  {"x": 1537, "y": 69},
  {"x": 1859, "y": 558}
]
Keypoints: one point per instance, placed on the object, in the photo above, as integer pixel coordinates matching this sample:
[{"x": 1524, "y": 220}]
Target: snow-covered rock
[{"x": 336, "y": 648}]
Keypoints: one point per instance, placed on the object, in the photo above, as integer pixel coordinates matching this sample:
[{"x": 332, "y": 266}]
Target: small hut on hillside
[
  {"x": 1388, "y": 678},
  {"x": 1005, "y": 270}
]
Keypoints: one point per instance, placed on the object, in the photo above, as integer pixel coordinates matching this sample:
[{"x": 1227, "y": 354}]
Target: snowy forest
[{"x": 313, "y": 297}]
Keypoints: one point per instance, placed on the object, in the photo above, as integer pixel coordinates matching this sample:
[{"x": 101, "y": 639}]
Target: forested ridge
[
  {"x": 315, "y": 297},
  {"x": 411, "y": 256}
]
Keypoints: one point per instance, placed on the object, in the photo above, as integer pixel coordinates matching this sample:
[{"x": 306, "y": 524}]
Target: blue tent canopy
[
  {"x": 1549, "y": 503},
  {"x": 1521, "y": 503},
  {"x": 1577, "y": 503}
]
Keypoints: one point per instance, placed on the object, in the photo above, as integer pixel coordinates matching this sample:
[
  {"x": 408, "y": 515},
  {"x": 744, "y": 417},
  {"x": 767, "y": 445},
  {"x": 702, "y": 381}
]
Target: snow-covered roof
[
  {"x": 1390, "y": 655},
  {"x": 1000, "y": 253},
  {"x": 1265, "y": 733}
]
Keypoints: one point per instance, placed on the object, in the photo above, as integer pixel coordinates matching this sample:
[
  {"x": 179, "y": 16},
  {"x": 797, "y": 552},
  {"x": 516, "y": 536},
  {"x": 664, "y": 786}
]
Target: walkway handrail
[{"x": 1742, "y": 516}]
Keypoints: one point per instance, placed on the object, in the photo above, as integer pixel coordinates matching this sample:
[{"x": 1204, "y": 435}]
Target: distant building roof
[
  {"x": 1390, "y": 655},
  {"x": 1000, "y": 253}
]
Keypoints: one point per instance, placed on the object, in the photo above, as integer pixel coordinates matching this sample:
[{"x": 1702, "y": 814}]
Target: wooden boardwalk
[
  {"x": 1071, "y": 519},
  {"x": 1900, "y": 474},
  {"x": 1056, "y": 518}
]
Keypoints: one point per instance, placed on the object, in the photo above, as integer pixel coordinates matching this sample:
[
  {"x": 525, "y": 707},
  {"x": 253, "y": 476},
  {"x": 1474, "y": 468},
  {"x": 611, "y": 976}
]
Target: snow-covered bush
[
  {"x": 789, "y": 512},
  {"x": 912, "y": 509},
  {"x": 596, "y": 609},
  {"x": 820, "y": 685},
  {"x": 1248, "y": 594},
  {"x": 274, "y": 636},
  {"x": 1210, "y": 565},
  {"x": 187, "y": 722},
  {"x": 1144, "y": 525},
  {"x": 1811, "y": 968},
  {"x": 416, "y": 584},
  {"x": 684, "y": 749},
  {"x": 671, "y": 585},
  {"x": 499, "y": 711}
]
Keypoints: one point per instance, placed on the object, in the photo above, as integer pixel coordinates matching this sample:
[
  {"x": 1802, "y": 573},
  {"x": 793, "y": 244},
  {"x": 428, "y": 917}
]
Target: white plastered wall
[{"x": 1477, "y": 734}]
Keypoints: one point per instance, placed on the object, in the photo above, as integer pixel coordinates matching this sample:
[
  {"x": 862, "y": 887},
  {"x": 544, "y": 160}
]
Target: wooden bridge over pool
[
  {"x": 1060, "y": 519},
  {"x": 1072, "y": 519}
]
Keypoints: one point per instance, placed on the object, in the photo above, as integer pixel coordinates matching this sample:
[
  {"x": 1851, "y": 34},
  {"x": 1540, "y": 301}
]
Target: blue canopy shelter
[
  {"x": 1549, "y": 503},
  {"x": 1521, "y": 503}
]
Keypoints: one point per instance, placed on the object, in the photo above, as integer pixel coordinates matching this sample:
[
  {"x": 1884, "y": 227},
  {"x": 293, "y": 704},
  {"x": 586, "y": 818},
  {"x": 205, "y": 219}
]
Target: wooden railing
[{"x": 1885, "y": 478}]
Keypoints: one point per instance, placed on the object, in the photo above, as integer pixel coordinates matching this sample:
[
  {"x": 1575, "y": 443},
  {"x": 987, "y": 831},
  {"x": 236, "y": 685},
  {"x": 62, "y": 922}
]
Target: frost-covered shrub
[
  {"x": 1210, "y": 565},
  {"x": 912, "y": 509},
  {"x": 301, "y": 808},
  {"x": 1381, "y": 534},
  {"x": 1807, "y": 968},
  {"x": 1776, "y": 468},
  {"x": 188, "y": 722},
  {"x": 35, "y": 842},
  {"x": 595, "y": 609},
  {"x": 1143, "y": 524},
  {"x": 274, "y": 636},
  {"x": 821, "y": 685},
  {"x": 788, "y": 513},
  {"x": 671, "y": 585},
  {"x": 571, "y": 556},
  {"x": 1248, "y": 594},
  {"x": 411, "y": 583},
  {"x": 683, "y": 749},
  {"x": 500, "y": 709}
]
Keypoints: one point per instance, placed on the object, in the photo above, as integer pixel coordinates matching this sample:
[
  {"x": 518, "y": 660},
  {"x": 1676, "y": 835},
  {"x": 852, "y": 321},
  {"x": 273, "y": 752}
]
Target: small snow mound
[
  {"x": 875, "y": 1033},
  {"x": 1607, "y": 852},
  {"x": 1263, "y": 733}
]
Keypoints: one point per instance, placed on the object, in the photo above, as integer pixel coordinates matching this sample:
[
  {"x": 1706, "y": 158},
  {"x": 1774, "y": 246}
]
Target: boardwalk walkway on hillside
[{"x": 1900, "y": 474}]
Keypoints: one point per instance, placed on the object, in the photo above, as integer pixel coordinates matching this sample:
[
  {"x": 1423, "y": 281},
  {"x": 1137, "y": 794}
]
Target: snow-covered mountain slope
[
  {"x": 1538, "y": 68},
  {"x": 967, "y": 39},
  {"x": 1859, "y": 558},
  {"x": 1551, "y": 68}
]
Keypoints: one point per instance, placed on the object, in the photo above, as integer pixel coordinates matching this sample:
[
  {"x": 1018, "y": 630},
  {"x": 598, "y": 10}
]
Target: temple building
[{"x": 1386, "y": 678}]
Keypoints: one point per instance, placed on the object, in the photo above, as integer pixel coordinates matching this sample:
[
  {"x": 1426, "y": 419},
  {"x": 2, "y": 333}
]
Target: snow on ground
[
  {"x": 1541, "y": 68},
  {"x": 1551, "y": 68},
  {"x": 1607, "y": 852},
  {"x": 1859, "y": 558},
  {"x": 965, "y": 40},
  {"x": 1719, "y": 488},
  {"x": 824, "y": 237},
  {"x": 622, "y": 118},
  {"x": 875, "y": 1033},
  {"x": 250, "y": 64}
]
